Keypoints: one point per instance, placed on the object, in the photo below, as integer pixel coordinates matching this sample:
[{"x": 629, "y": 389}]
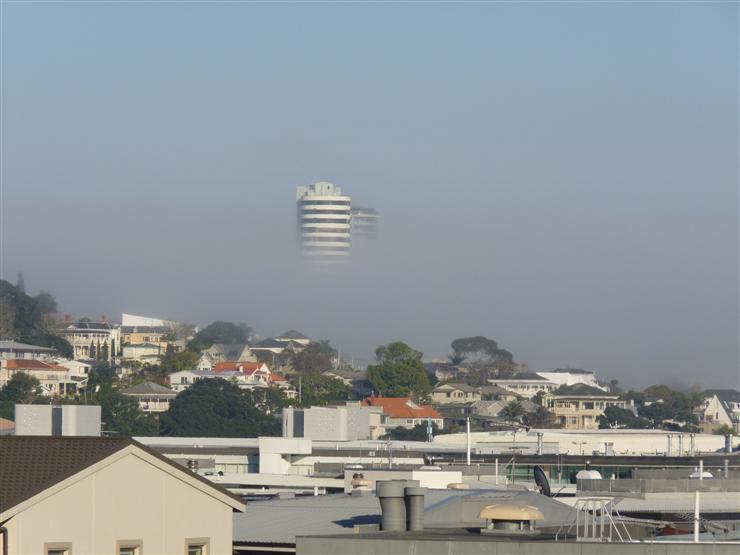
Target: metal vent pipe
[
  {"x": 392, "y": 506},
  {"x": 414, "y": 501}
]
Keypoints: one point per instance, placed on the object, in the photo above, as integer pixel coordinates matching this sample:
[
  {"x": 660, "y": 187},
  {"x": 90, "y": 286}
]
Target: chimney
[
  {"x": 104, "y": 319},
  {"x": 390, "y": 493},
  {"x": 67, "y": 318}
]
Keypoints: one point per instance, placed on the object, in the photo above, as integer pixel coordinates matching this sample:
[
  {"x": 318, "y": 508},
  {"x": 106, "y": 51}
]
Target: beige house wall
[{"x": 130, "y": 499}]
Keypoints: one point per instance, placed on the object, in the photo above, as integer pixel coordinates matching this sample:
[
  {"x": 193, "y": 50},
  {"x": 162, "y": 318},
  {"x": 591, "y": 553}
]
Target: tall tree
[
  {"x": 216, "y": 408},
  {"x": 317, "y": 357},
  {"x": 399, "y": 372},
  {"x": 122, "y": 416},
  {"x": 20, "y": 388},
  {"x": 218, "y": 332},
  {"x": 319, "y": 390},
  {"x": 21, "y": 283},
  {"x": 513, "y": 411},
  {"x": 483, "y": 357}
]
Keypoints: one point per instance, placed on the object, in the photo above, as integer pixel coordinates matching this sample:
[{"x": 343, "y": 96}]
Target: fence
[{"x": 641, "y": 487}]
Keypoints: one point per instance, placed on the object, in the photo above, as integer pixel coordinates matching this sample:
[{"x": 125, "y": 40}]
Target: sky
[{"x": 560, "y": 177}]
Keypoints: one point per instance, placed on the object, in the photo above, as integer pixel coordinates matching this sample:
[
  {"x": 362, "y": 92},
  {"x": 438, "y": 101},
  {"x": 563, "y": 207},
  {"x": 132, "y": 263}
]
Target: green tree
[
  {"x": 319, "y": 390},
  {"x": 21, "y": 388},
  {"x": 417, "y": 433},
  {"x": 483, "y": 357},
  {"x": 45, "y": 302},
  {"x": 540, "y": 418},
  {"x": 175, "y": 362},
  {"x": 317, "y": 357},
  {"x": 513, "y": 411},
  {"x": 399, "y": 372},
  {"x": 616, "y": 417},
  {"x": 122, "y": 416},
  {"x": 101, "y": 375},
  {"x": 218, "y": 332},
  {"x": 724, "y": 430},
  {"x": 674, "y": 407},
  {"x": 216, "y": 408}
]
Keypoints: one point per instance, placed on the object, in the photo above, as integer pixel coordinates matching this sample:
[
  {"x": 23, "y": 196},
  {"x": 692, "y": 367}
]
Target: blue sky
[{"x": 562, "y": 177}]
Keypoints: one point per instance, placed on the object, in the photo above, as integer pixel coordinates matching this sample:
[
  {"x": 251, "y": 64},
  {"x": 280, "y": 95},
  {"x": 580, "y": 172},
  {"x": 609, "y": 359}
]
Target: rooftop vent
[{"x": 510, "y": 519}]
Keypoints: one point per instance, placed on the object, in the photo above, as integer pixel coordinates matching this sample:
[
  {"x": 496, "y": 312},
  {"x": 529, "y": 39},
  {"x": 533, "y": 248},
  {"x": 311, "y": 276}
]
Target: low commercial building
[
  {"x": 151, "y": 396},
  {"x": 579, "y": 406},
  {"x": 405, "y": 413},
  {"x": 448, "y": 393},
  {"x": 334, "y": 423},
  {"x": 57, "y": 420},
  {"x": 107, "y": 495}
]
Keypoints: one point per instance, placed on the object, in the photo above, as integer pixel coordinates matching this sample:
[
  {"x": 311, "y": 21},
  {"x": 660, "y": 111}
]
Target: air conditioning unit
[{"x": 371, "y": 453}]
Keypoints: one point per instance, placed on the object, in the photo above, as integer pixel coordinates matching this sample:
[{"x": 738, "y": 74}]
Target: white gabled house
[{"x": 81, "y": 495}]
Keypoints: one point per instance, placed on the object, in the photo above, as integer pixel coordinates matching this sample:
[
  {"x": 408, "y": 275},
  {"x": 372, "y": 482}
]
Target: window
[
  {"x": 58, "y": 548},
  {"x": 128, "y": 547},
  {"x": 197, "y": 546}
]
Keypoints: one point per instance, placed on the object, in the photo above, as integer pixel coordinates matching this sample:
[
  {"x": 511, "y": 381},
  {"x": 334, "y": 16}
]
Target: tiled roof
[
  {"x": 247, "y": 368},
  {"x": 401, "y": 407},
  {"x": 30, "y": 364},
  {"x": 31, "y": 464},
  {"x": 278, "y": 378}
]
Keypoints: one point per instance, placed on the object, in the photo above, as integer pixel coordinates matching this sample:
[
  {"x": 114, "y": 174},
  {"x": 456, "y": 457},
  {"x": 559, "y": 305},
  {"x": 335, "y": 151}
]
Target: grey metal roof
[
  {"x": 281, "y": 520},
  {"x": 292, "y": 334},
  {"x": 10, "y": 345},
  {"x": 148, "y": 388}
]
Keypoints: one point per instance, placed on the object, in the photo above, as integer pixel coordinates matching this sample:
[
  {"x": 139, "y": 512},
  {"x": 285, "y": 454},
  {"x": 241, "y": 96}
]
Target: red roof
[
  {"x": 278, "y": 378},
  {"x": 401, "y": 407},
  {"x": 31, "y": 364},
  {"x": 232, "y": 366}
]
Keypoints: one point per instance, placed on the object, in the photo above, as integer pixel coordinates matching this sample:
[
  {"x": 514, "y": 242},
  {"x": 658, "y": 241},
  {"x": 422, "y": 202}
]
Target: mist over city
[
  {"x": 581, "y": 215},
  {"x": 364, "y": 277}
]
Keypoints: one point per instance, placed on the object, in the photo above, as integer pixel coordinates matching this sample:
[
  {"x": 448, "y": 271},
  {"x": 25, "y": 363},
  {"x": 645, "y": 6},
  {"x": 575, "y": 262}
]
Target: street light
[{"x": 582, "y": 443}]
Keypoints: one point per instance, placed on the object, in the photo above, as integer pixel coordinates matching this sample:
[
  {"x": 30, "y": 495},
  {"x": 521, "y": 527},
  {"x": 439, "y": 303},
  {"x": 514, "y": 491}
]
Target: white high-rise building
[{"x": 324, "y": 217}]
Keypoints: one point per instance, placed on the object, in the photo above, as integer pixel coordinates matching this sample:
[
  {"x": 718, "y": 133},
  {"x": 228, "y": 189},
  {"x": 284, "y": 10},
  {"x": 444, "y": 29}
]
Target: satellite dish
[{"x": 541, "y": 481}]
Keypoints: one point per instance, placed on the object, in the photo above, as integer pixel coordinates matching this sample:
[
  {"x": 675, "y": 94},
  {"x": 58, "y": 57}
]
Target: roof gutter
[{"x": 4, "y": 532}]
